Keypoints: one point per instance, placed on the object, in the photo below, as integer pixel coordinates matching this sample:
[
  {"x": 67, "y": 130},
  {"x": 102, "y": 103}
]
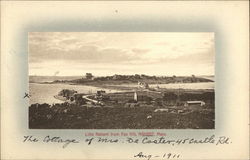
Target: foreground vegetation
[{"x": 71, "y": 116}]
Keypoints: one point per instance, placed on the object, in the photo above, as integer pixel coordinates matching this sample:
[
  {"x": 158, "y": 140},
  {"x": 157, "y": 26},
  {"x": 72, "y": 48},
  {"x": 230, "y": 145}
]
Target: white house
[{"x": 201, "y": 103}]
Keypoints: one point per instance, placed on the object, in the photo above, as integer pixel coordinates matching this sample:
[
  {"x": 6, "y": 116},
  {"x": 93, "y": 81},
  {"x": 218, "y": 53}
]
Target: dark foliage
[{"x": 71, "y": 116}]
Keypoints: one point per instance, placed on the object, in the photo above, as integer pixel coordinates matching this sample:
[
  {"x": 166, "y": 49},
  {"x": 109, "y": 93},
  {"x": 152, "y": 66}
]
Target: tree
[{"x": 89, "y": 76}]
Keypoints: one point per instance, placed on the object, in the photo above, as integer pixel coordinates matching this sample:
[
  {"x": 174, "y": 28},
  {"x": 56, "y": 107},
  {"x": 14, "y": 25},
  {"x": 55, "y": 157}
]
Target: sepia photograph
[
  {"x": 134, "y": 80},
  {"x": 121, "y": 80}
]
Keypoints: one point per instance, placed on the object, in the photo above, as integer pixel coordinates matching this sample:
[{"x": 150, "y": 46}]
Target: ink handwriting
[
  {"x": 163, "y": 156},
  {"x": 50, "y": 139},
  {"x": 213, "y": 140}
]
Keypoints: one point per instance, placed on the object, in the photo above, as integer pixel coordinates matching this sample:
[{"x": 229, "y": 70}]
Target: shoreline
[{"x": 132, "y": 86}]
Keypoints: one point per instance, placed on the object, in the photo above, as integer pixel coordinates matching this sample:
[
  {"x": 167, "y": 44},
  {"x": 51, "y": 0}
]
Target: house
[
  {"x": 100, "y": 92},
  {"x": 143, "y": 85},
  {"x": 190, "y": 103},
  {"x": 89, "y": 76},
  {"x": 161, "y": 110}
]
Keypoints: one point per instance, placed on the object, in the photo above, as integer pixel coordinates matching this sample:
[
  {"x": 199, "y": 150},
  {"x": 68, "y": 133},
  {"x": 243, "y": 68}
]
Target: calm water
[
  {"x": 44, "y": 93},
  {"x": 205, "y": 85},
  {"x": 202, "y": 85}
]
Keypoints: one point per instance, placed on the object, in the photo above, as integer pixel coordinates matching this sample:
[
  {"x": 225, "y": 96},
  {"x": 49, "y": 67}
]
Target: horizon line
[{"x": 117, "y": 74}]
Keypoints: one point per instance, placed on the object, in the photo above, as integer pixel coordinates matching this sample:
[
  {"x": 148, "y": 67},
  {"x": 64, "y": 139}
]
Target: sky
[{"x": 127, "y": 53}]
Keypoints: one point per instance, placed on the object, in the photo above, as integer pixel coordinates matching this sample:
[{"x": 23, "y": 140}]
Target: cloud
[
  {"x": 85, "y": 53},
  {"x": 202, "y": 57},
  {"x": 140, "y": 51},
  {"x": 119, "y": 51},
  {"x": 78, "y": 47}
]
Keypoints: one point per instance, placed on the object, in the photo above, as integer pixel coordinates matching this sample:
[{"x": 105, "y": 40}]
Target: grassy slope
[{"x": 115, "y": 118}]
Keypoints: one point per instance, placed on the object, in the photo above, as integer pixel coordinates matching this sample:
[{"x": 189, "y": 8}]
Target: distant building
[
  {"x": 89, "y": 76},
  {"x": 190, "y": 103},
  {"x": 100, "y": 92},
  {"x": 143, "y": 85},
  {"x": 161, "y": 110},
  {"x": 101, "y": 95}
]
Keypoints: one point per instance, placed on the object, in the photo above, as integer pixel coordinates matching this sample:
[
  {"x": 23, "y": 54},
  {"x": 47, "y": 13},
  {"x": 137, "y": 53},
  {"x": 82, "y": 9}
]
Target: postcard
[{"x": 129, "y": 80}]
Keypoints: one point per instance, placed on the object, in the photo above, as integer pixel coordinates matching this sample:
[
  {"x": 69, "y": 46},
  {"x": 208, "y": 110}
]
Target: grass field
[{"x": 75, "y": 117}]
